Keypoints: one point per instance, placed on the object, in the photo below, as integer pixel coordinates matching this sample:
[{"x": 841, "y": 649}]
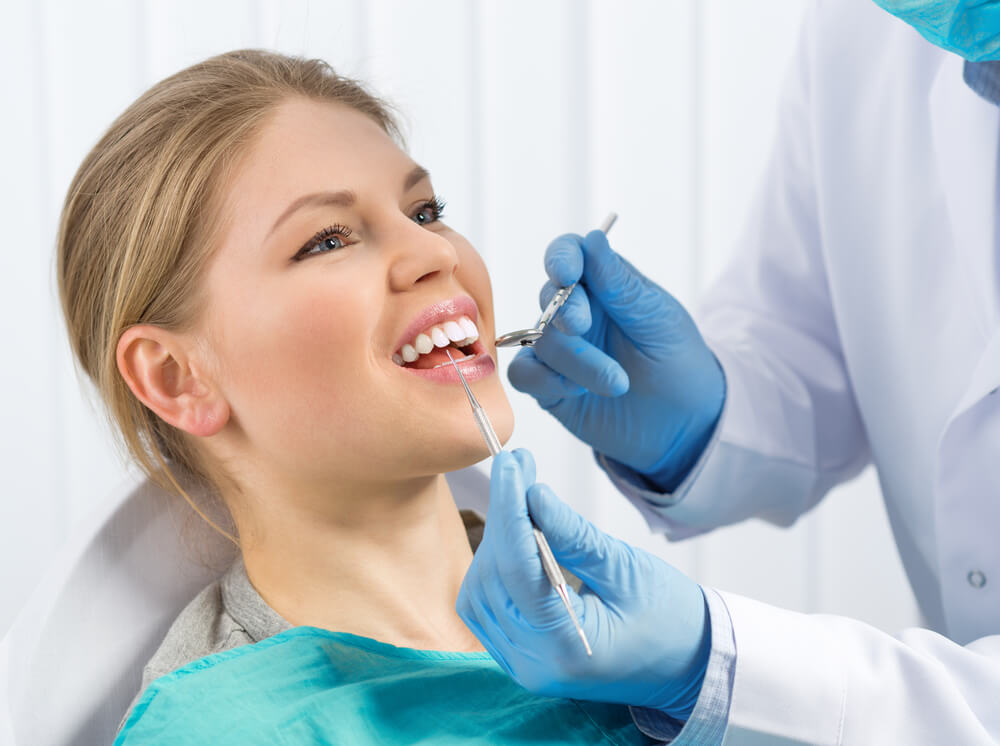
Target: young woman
[{"x": 256, "y": 277}]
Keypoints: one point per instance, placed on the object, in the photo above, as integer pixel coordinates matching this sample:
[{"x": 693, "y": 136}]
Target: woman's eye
[
  {"x": 333, "y": 242},
  {"x": 328, "y": 239},
  {"x": 430, "y": 212}
]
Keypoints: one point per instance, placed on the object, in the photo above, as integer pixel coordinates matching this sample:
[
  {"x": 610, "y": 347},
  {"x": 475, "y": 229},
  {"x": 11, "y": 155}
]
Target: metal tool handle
[
  {"x": 489, "y": 434},
  {"x": 554, "y": 305},
  {"x": 549, "y": 563}
]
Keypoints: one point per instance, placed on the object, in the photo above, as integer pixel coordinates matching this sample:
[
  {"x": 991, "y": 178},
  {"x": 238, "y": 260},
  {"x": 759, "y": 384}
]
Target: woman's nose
[{"x": 420, "y": 254}]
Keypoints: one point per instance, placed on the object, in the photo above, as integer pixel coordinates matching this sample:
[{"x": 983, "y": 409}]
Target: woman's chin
[
  {"x": 470, "y": 447},
  {"x": 465, "y": 445},
  {"x": 449, "y": 439},
  {"x": 501, "y": 415}
]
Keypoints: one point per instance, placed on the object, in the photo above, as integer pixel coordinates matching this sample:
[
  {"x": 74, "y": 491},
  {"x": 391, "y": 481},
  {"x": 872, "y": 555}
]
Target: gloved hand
[
  {"x": 639, "y": 385},
  {"x": 646, "y": 622}
]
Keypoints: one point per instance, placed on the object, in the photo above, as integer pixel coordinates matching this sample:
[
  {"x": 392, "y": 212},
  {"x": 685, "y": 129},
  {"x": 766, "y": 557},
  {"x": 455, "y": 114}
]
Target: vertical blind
[{"x": 535, "y": 119}]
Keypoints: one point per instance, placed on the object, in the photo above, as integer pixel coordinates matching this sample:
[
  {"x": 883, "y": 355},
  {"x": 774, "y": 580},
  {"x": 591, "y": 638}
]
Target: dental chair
[{"x": 72, "y": 661}]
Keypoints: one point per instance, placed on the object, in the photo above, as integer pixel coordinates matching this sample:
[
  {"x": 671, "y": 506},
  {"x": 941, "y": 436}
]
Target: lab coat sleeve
[
  {"x": 790, "y": 428},
  {"x": 707, "y": 723},
  {"x": 822, "y": 679}
]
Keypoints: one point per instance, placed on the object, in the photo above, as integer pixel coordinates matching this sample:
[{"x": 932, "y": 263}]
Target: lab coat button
[
  {"x": 995, "y": 390},
  {"x": 976, "y": 579}
]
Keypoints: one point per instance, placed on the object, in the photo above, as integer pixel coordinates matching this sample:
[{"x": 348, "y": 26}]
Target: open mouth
[{"x": 427, "y": 350}]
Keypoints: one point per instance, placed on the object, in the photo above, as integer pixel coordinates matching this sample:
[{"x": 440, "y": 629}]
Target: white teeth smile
[
  {"x": 461, "y": 331},
  {"x": 423, "y": 344},
  {"x": 454, "y": 331},
  {"x": 439, "y": 338}
]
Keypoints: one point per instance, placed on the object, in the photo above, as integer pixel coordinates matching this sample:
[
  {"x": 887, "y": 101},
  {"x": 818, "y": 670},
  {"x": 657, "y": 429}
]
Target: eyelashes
[
  {"x": 326, "y": 236},
  {"x": 336, "y": 236},
  {"x": 436, "y": 205}
]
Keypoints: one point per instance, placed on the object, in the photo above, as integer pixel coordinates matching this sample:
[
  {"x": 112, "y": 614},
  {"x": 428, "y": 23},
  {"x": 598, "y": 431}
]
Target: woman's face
[{"x": 332, "y": 258}]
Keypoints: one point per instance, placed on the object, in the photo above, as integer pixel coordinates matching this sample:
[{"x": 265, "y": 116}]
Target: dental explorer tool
[
  {"x": 528, "y": 337},
  {"x": 544, "y": 552}
]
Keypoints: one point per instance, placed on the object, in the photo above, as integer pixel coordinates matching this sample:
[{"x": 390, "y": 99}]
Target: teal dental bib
[{"x": 312, "y": 686}]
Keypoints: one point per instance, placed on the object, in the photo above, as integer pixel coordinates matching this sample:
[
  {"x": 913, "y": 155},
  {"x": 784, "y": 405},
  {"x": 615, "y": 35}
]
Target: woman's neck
[{"x": 387, "y": 564}]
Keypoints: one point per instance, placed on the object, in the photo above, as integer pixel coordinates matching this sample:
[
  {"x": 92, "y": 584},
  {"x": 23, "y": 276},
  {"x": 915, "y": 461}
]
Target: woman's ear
[{"x": 157, "y": 367}]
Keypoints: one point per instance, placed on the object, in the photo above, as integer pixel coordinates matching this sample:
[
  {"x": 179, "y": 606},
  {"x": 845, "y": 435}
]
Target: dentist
[{"x": 859, "y": 322}]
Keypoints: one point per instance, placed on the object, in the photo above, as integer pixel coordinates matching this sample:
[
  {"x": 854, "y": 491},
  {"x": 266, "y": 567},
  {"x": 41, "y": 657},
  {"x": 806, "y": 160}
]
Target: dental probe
[
  {"x": 544, "y": 552},
  {"x": 528, "y": 337}
]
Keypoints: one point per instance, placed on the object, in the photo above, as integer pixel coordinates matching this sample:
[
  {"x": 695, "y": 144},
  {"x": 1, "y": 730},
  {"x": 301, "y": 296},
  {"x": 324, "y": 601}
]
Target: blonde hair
[{"x": 137, "y": 227}]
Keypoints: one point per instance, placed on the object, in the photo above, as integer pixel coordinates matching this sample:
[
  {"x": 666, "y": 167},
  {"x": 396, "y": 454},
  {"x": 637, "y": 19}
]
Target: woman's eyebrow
[
  {"x": 343, "y": 198},
  {"x": 418, "y": 174}
]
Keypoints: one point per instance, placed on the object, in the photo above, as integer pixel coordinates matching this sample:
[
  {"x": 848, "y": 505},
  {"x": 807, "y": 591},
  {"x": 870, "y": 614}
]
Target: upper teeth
[{"x": 462, "y": 331}]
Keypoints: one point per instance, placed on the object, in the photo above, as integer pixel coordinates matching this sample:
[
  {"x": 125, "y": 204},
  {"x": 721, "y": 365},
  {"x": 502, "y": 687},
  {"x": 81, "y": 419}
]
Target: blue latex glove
[
  {"x": 646, "y": 622},
  {"x": 639, "y": 385}
]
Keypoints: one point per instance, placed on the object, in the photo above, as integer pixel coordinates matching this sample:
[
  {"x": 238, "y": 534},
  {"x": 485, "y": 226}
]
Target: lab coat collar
[{"x": 965, "y": 133}]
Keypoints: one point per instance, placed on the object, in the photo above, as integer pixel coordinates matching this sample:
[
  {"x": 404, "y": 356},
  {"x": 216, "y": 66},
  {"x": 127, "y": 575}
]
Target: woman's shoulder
[{"x": 204, "y": 627}]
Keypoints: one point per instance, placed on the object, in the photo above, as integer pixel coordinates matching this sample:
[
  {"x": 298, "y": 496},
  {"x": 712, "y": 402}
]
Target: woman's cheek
[{"x": 476, "y": 279}]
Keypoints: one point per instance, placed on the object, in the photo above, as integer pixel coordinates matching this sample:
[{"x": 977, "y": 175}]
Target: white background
[{"x": 536, "y": 117}]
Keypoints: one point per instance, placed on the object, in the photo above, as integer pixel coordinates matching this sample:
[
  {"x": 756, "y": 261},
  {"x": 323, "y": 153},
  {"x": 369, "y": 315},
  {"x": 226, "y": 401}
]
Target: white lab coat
[{"x": 858, "y": 321}]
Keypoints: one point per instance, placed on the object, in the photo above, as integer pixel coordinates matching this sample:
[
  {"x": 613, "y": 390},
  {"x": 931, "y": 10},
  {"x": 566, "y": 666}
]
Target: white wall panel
[
  {"x": 534, "y": 119},
  {"x": 643, "y": 68},
  {"x": 744, "y": 51},
  {"x": 182, "y": 32},
  {"x": 33, "y": 492},
  {"x": 421, "y": 65},
  {"x": 535, "y": 171},
  {"x": 80, "y": 101},
  {"x": 335, "y": 31}
]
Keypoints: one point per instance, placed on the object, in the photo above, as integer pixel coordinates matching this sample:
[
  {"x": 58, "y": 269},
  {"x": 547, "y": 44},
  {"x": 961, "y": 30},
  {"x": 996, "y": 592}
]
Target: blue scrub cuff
[{"x": 707, "y": 725}]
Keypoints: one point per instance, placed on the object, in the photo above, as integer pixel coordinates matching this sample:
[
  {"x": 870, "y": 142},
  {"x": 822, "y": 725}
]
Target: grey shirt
[{"x": 230, "y": 613}]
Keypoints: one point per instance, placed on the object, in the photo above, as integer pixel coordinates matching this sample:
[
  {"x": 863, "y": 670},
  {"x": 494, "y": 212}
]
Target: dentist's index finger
[
  {"x": 531, "y": 376},
  {"x": 581, "y": 362},
  {"x": 564, "y": 259}
]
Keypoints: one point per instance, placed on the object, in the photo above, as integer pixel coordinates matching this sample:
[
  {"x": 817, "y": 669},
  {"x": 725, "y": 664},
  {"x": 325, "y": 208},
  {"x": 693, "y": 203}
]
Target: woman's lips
[{"x": 473, "y": 368}]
